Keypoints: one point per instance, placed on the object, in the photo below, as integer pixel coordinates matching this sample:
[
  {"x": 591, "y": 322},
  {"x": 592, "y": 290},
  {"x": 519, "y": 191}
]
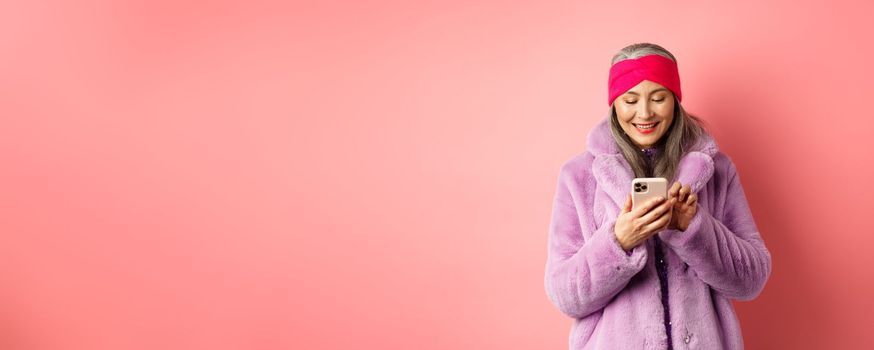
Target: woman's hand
[
  {"x": 635, "y": 226},
  {"x": 685, "y": 206}
]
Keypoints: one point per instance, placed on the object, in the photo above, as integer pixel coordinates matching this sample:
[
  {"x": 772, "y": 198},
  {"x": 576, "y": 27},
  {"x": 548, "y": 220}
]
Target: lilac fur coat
[{"x": 615, "y": 298}]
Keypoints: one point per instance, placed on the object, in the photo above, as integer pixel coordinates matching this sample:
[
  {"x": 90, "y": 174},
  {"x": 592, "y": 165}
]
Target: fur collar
[{"x": 614, "y": 174}]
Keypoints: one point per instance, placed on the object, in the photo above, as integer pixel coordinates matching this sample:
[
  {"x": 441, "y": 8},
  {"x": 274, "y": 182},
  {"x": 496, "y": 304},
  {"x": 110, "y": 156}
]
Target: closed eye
[{"x": 633, "y": 102}]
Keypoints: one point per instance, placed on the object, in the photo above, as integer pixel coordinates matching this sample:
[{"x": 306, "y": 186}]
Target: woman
[{"x": 660, "y": 276}]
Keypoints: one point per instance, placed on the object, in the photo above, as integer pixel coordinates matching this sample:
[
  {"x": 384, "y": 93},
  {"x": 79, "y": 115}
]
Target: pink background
[{"x": 379, "y": 175}]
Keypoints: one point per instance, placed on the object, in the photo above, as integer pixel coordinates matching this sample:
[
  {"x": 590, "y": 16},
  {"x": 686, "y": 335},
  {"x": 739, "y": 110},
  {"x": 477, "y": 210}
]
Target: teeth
[{"x": 650, "y": 126}]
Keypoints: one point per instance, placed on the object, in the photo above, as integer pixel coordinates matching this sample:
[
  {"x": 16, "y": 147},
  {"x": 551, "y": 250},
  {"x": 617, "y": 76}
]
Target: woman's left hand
[{"x": 684, "y": 208}]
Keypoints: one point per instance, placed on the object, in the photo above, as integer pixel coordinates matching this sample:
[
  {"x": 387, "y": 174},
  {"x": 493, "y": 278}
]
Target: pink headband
[{"x": 627, "y": 73}]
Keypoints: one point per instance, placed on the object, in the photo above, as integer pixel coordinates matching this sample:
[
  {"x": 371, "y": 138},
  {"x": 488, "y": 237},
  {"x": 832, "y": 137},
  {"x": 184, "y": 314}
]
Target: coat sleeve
[
  {"x": 728, "y": 254},
  {"x": 585, "y": 266}
]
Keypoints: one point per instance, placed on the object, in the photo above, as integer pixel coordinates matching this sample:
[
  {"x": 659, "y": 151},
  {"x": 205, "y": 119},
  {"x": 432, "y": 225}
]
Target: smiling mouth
[{"x": 645, "y": 126}]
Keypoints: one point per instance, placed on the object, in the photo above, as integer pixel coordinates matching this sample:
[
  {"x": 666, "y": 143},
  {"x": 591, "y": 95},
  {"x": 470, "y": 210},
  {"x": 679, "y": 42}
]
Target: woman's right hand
[{"x": 635, "y": 226}]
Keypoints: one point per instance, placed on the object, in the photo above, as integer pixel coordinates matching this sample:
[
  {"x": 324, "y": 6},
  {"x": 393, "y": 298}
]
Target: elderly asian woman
[{"x": 662, "y": 275}]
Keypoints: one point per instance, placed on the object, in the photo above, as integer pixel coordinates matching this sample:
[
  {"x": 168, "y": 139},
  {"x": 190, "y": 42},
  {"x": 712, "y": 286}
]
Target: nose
[{"x": 645, "y": 110}]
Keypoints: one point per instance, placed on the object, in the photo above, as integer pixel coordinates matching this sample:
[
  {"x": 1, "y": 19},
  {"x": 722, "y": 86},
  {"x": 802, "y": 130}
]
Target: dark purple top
[{"x": 661, "y": 267}]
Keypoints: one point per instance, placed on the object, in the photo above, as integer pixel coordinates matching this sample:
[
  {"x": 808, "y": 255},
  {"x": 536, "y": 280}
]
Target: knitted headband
[{"x": 627, "y": 73}]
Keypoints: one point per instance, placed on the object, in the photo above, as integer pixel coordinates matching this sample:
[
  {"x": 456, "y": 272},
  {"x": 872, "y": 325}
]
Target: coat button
[{"x": 687, "y": 339}]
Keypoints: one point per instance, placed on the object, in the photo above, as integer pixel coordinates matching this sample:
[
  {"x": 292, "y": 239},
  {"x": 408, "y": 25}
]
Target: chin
[{"x": 649, "y": 141}]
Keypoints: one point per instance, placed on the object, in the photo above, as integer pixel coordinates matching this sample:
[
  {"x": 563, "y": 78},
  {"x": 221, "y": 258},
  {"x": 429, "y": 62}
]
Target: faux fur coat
[{"x": 615, "y": 298}]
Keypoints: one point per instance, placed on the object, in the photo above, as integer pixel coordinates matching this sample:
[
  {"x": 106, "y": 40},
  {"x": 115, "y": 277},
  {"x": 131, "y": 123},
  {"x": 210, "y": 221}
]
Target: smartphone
[{"x": 644, "y": 188}]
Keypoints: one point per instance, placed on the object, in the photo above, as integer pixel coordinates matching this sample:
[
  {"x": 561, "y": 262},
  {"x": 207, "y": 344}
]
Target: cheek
[
  {"x": 624, "y": 113},
  {"x": 667, "y": 126},
  {"x": 666, "y": 110}
]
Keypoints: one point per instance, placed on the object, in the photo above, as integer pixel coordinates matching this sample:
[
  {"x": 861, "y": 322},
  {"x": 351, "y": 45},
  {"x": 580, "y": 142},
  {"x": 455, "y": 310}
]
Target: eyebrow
[{"x": 654, "y": 91}]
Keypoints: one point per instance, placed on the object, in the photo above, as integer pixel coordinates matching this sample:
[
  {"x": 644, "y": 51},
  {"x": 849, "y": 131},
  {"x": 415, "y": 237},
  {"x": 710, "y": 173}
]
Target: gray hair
[{"x": 685, "y": 130}]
